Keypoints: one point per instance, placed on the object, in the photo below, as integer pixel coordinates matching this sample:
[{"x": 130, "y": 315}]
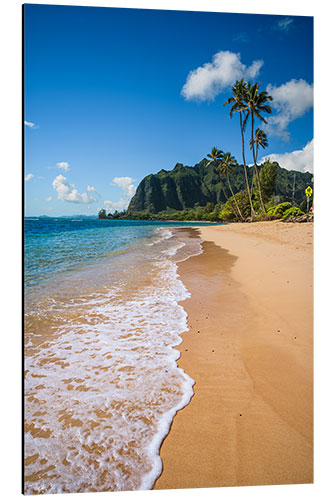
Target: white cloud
[
  {"x": 111, "y": 206},
  {"x": 290, "y": 101},
  {"x": 285, "y": 23},
  {"x": 68, "y": 192},
  {"x": 126, "y": 184},
  {"x": 300, "y": 160},
  {"x": 30, "y": 124},
  {"x": 49, "y": 198},
  {"x": 92, "y": 189},
  {"x": 209, "y": 80},
  {"x": 64, "y": 165},
  {"x": 28, "y": 177}
]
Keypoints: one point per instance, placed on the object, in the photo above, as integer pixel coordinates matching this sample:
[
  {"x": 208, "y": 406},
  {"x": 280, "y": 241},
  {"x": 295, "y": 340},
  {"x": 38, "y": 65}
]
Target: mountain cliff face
[{"x": 183, "y": 187}]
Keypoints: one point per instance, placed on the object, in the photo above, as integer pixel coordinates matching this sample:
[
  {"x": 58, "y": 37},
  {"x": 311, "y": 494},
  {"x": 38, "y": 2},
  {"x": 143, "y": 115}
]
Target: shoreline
[{"x": 249, "y": 349}]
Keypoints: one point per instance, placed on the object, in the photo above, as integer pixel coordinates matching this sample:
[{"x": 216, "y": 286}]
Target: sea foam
[{"x": 102, "y": 381}]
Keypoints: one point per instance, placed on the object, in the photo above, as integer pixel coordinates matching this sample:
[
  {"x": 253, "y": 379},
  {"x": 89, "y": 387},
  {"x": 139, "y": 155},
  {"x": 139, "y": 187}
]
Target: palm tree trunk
[
  {"x": 226, "y": 198},
  {"x": 224, "y": 191},
  {"x": 252, "y": 182},
  {"x": 256, "y": 168},
  {"x": 244, "y": 165},
  {"x": 234, "y": 197}
]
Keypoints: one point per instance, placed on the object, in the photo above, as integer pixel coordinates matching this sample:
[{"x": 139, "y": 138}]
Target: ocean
[{"x": 102, "y": 322}]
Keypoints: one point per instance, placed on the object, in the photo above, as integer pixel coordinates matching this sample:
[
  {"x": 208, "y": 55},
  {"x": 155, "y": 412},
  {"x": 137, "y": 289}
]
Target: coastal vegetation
[
  {"x": 195, "y": 193},
  {"x": 218, "y": 188}
]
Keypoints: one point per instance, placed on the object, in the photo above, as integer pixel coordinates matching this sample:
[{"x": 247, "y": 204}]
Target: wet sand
[{"x": 250, "y": 351}]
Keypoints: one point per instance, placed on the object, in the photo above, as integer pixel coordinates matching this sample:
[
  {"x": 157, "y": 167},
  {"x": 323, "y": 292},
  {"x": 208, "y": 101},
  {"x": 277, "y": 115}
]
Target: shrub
[
  {"x": 270, "y": 213},
  {"x": 261, "y": 216},
  {"x": 292, "y": 212},
  {"x": 267, "y": 178},
  {"x": 227, "y": 213},
  {"x": 256, "y": 205},
  {"x": 280, "y": 209},
  {"x": 229, "y": 208}
]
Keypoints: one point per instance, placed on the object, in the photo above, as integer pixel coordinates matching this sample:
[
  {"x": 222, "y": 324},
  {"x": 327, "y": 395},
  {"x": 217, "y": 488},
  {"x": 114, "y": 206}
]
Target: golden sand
[{"x": 250, "y": 351}]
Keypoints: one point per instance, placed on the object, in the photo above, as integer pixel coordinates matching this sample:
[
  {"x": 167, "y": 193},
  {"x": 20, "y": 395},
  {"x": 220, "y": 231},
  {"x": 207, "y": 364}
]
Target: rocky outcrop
[{"x": 185, "y": 187}]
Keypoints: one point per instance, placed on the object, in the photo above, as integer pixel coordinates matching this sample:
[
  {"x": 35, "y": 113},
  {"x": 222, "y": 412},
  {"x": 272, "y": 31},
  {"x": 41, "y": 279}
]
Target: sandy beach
[{"x": 250, "y": 351}]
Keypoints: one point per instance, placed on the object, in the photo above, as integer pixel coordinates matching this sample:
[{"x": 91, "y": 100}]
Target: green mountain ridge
[{"x": 183, "y": 187}]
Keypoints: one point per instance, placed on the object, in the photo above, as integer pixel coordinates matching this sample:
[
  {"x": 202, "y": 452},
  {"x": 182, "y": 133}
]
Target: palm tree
[
  {"x": 216, "y": 157},
  {"x": 239, "y": 106},
  {"x": 260, "y": 140},
  {"x": 226, "y": 166},
  {"x": 256, "y": 103}
]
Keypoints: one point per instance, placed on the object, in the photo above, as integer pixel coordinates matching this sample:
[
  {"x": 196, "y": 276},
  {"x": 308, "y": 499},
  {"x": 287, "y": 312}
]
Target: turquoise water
[{"x": 57, "y": 245}]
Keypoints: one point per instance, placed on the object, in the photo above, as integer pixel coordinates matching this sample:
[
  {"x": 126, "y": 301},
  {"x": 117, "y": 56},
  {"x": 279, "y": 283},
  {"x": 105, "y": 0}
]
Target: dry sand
[{"x": 250, "y": 351}]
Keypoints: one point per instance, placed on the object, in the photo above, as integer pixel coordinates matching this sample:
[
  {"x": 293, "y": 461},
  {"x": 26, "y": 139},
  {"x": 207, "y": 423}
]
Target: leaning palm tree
[
  {"x": 227, "y": 165},
  {"x": 238, "y": 106},
  {"x": 216, "y": 157},
  {"x": 256, "y": 103},
  {"x": 260, "y": 140}
]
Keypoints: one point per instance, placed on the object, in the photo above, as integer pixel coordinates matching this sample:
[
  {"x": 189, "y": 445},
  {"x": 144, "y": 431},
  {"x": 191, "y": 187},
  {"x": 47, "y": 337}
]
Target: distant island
[{"x": 197, "y": 193}]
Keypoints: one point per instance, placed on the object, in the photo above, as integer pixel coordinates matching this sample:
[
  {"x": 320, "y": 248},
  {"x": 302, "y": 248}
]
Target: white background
[{"x": 11, "y": 241}]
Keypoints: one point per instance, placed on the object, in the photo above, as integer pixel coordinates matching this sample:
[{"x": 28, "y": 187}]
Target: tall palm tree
[
  {"x": 216, "y": 157},
  {"x": 260, "y": 140},
  {"x": 227, "y": 165},
  {"x": 238, "y": 106},
  {"x": 256, "y": 103}
]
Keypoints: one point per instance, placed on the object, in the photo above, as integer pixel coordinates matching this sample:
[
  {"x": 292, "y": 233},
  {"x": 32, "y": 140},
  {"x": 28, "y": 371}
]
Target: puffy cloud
[
  {"x": 28, "y": 177},
  {"x": 300, "y": 160},
  {"x": 68, "y": 192},
  {"x": 64, "y": 165},
  {"x": 49, "y": 198},
  {"x": 285, "y": 24},
  {"x": 111, "y": 206},
  {"x": 290, "y": 101},
  {"x": 126, "y": 184},
  {"x": 209, "y": 80},
  {"x": 92, "y": 189},
  {"x": 30, "y": 124}
]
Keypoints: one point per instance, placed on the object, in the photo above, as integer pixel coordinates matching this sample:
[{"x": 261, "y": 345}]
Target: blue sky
[{"x": 112, "y": 95}]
